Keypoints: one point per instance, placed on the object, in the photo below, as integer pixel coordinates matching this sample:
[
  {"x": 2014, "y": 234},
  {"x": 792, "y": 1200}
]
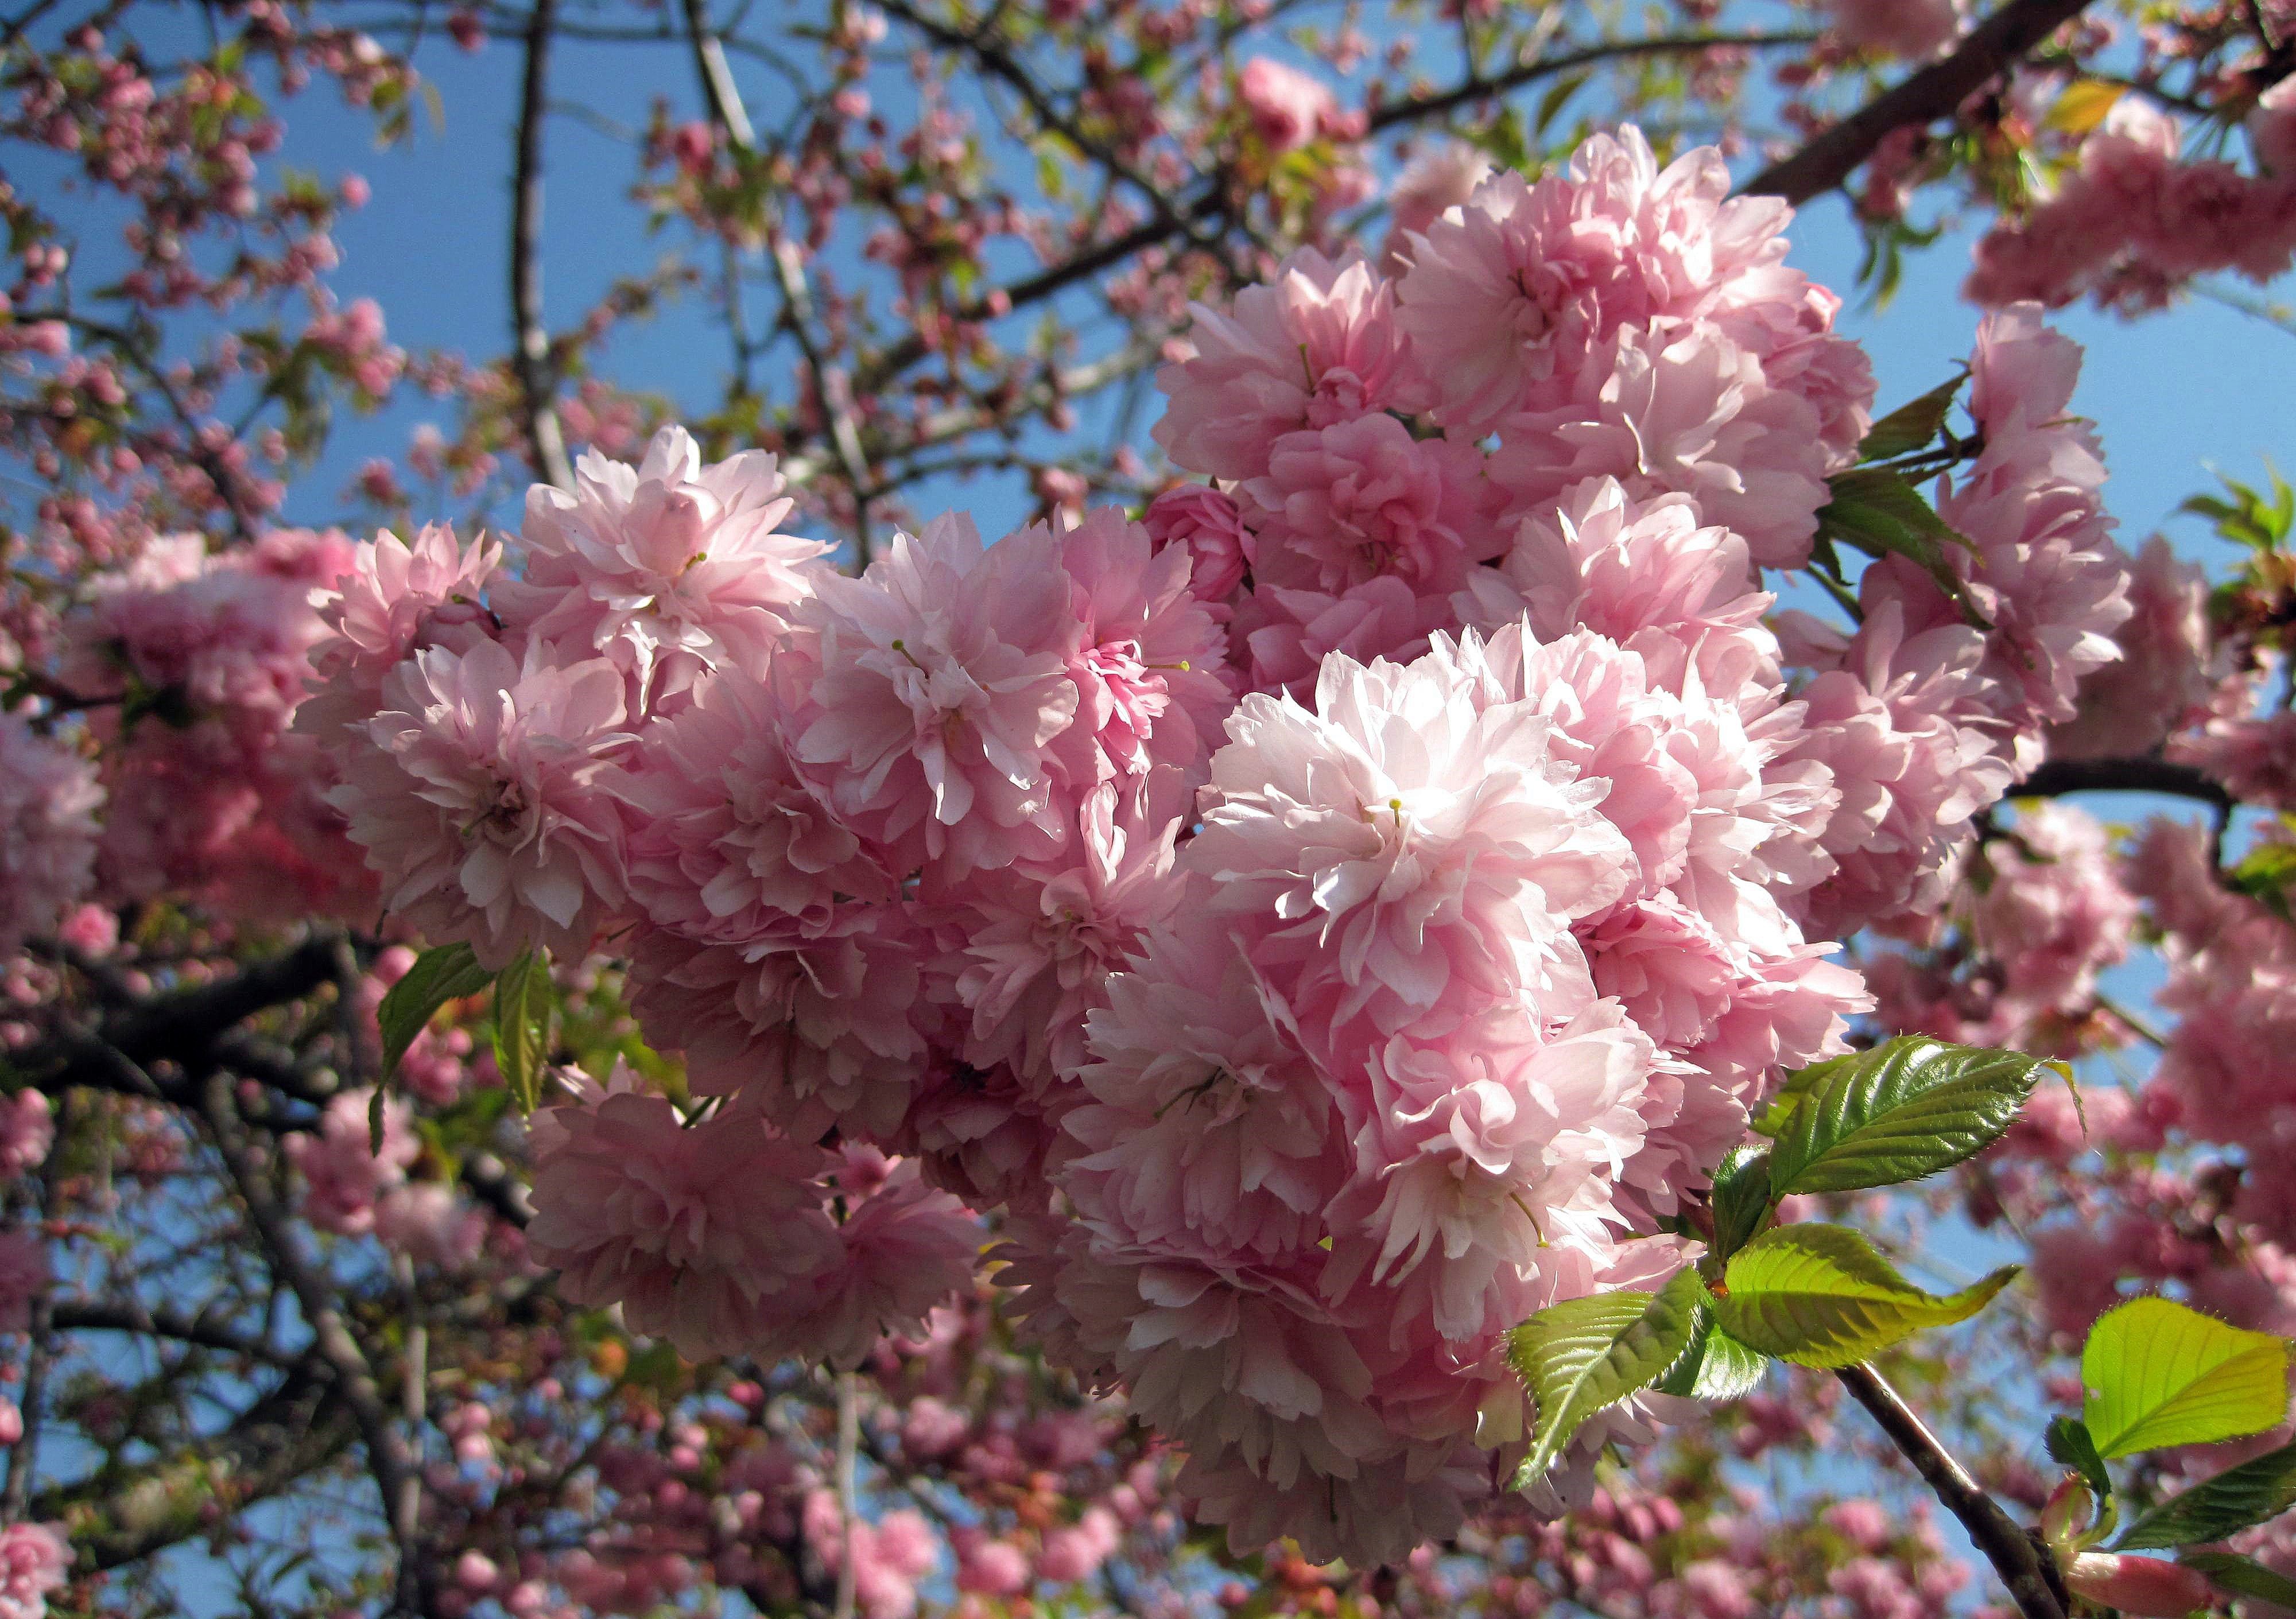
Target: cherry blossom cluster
[
  {"x": 1327, "y": 919},
  {"x": 2133, "y": 221}
]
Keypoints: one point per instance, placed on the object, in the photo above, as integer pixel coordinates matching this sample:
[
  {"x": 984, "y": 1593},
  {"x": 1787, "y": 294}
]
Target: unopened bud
[
  {"x": 2147, "y": 1587},
  {"x": 2066, "y": 1519}
]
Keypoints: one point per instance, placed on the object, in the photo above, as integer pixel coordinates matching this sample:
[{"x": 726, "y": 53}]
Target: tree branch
[
  {"x": 388, "y": 1459},
  {"x": 1994, "y": 46},
  {"x": 1476, "y": 88},
  {"x": 2025, "y": 1566},
  {"x": 2059, "y": 777},
  {"x": 530, "y": 347}
]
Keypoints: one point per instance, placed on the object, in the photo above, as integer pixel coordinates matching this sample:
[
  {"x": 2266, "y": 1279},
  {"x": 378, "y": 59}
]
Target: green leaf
[
  {"x": 1742, "y": 1198},
  {"x": 448, "y": 973},
  {"x": 2160, "y": 1374},
  {"x": 1875, "y": 510},
  {"x": 2071, "y": 1446},
  {"x": 1585, "y": 1353},
  {"x": 1910, "y": 427},
  {"x": 1897, "y": 1113},
  {"x": 2241, "y": 1497},
  {"x": 1715, "y": 1366},
  {"x": 522, "y": 1026},
  {"x": 2243, "y": 1576},
  {"x": 1820, "y": 1295}
]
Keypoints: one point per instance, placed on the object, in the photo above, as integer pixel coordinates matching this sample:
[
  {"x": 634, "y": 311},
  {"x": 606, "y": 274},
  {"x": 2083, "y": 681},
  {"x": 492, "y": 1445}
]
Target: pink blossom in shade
[
  {"x": 33, "y": 1557},
  {"x": 1422, "y": 848},
  {"x": 2167, "y": 674},
  {"x": 1362, "y": 499},
  {"x": 2052, "y": 917},
  {"x": 1287, "y": 108},
  {"x": 11, "y": 1421},
  {"x": 825, "y": 1025},
  {"x": 483, "y": 791},
  {"x": 343, "y": 1172},
  {"x": 1910, "y": 29},
  {"x": 983, "y": 1137},
  {"x": 394, "y": 599},
  {"x": 926, "y": 693},
  {"x": 1148, "y": 658},
  {"x": 2272, "y": 128},
  {"x": 1282, "y": 636},
  {"x": 90, "y": 929},
  {"x": 24, "y": 1274},
  {"x": 1037, "y": 942},
  {"x": 1684, "y": 412},
  {"x": 48, "y": 798},
  {"x": 906, "y": 1250},
  {"x": 704, "y": 1234},
  {"x": 2150, "y": 1586},
  {"x": 1075, "y": 1551},
  {"x": 1380, "y": 1511},
  {"x": 28, "y": 1130},
  {"x": 668, "y": 569},
  {"x": 1203, "y": 1115},
  {"x": 1318, "y": 344},
  {"x": 1866, "y": 1525},
  {"x": 428, "y": 1224},
  {"x": 2254, "y": 758},
  {"x": 727, "y": 841},
  {"x": 1431, "y": 184},
  {"x": 993, "y": 1568},
  {"x": 1207, "y": 525},
  {"x": 1893, "y": 729}
]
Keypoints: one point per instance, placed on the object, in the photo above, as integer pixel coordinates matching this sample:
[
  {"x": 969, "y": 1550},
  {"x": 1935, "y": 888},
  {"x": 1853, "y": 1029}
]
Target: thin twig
[
  {"x": 849, "y": 1448},
  {"x": 396, "y": 1477},
  {"x": 1993, "y": 47},
  {"x": 2026, "y": 1567},
  {"x": 531, "y": 351}
]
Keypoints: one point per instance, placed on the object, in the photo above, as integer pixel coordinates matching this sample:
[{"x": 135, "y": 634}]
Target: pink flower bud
[{"x": 2148, "y": 1587}]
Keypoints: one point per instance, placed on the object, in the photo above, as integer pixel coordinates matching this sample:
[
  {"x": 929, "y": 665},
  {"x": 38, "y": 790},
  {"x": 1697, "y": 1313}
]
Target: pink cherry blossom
[
  {"x": 1288, "y": 108},
  {"x": 667, "y": 571},
  {"x": 477, "y": 793},
  {"x": 33, "y": 1557},
  {"x": 1206, "y": 524},
  {"x": 1363, "y": 498},
  {"x": 48, "y": 799},
  {"x": 1319, "y": 344},
  {"x": 1908, "y": 28},
  {"x": 931, "y": 687},
  {"x": 702, "y": 1234}
]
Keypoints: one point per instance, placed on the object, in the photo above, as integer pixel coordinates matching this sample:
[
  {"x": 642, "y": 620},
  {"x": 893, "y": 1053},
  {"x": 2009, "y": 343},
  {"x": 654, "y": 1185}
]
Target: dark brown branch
[
  {"x": 2059, "y": 777},
  {"x": 2024, "y": 1564},
  {"x": 1989, "y": 50},
  {"x": 184, "y": 1028},
  {"x": 530, "y": 338},
  {"x": 206, "y": 1330}
]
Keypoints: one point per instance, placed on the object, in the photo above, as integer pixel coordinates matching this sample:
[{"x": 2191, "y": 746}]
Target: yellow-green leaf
[
  {"x": 1583, "y": 1354},
  {"x": 1821, "y": 1296},
  {"x": 523, "y": 998},
  {"x": 2159, "y": 1373}
]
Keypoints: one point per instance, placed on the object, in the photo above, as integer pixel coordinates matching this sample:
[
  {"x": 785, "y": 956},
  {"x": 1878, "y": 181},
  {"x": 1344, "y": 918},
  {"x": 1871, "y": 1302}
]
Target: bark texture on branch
[
  {"x": 1922, "y": 97},
  {"x": 2025, "y": 1566}
]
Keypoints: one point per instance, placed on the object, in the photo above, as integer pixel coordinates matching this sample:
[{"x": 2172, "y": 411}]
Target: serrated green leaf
[
  {"x": 2255, "y": 1492},
  {"x": 2243, "y": 1576},
  {"x": 448, "y": 973},
  {"x": 1896, "y": 1113},
  {"x": 522, "y": 998},
  {"x": 1583, "y": 1354},
  {"x": 1715, "y": 1366},
  {"x": 1821, "y": 1296},
  {"x": 1742, "y": 1198},
  {"x": 1910, "y": 427},
  {"x": 2159, "y": 1373},
  {"x": 2070, "y": 1445},
  {"x": 1876, "y": 511}
]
